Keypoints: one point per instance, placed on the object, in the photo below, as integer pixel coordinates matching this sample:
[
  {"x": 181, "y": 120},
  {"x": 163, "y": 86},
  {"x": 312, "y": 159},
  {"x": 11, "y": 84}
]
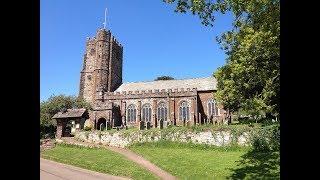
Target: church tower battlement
[{"x": 102, "y": 65}]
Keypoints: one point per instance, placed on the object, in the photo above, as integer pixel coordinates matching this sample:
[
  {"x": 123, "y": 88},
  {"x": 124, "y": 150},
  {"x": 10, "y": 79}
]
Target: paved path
[
  {"x": 131, "y": 156},
  {"x": 143, "y": 162},
  {"x": 50, "y": 170}
]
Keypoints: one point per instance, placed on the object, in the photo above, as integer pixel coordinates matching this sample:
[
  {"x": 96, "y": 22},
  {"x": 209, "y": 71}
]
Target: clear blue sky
[{"x": 157, "y": 41}]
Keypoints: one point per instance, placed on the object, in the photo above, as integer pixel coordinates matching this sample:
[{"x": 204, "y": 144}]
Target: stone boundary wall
[{"x": 124, "y": 139}]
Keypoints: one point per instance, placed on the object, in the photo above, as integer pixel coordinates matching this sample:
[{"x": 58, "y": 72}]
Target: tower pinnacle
[{"x": 105, "y": 19}]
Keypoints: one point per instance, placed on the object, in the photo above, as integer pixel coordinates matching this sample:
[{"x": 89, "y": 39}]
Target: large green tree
[{"x": 250, "y": 80}]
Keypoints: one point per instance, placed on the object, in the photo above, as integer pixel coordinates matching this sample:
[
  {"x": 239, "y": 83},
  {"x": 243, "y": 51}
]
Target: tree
[
  {"x": 250, "y": 80},
  {"x": 164, "y": 78},
  {"x": 55, "y": 104}
]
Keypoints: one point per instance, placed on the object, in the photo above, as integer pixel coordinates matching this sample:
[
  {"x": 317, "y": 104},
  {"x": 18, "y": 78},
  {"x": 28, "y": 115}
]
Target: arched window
[
  {"x": 162, "y": 111},
  {"x": 131, "y": 113},
  {"x": 184, "y": 111},
  {"x": 212, "y": 108},
  {"x": 146, "y": 113},
  {"x": 92, "y": 51}
]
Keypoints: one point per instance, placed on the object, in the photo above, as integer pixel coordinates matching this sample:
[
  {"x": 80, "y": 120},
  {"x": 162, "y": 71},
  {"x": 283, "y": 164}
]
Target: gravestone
[
  {"x": 148, "y": 125},
  {"x": 108, "y": 125},
  {"x": 160, "y": 124},
  {"x": 102, "y": 127},
  {"x": 225, "y": 121},
  {"x": 169, "y": 123},
  {"x": 165, "y": 124},
  {"x": 141, "y": 125},
  {"x": 219, "y": 121}
]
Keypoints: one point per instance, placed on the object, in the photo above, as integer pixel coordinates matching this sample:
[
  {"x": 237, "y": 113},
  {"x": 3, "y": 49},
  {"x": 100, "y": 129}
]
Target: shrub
[
  {"x": 88, "y": 125},
  {"x": 275, "y": 138},
  {"x": 47, "y": 131},
  {"x": 87, "y": 128},
  {"x": 267, "y": 139}
]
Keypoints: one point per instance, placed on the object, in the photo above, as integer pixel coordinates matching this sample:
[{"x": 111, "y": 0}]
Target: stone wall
[
  {"x": 115, "y": 68},
  {"x": 86, "y": 79},
  {"x": 124, "y": 138}
]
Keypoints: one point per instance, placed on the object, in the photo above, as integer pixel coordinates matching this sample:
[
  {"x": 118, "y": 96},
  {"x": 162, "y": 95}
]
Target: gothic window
[
  {"x": 131, "y": 113},
  {"x": 184, "y": 111},
  {"x": 92, "y": 51},
  {"x": 212, "y": 108},
  {"x": 162, "y": 111},
  {"x": 146, "y": 113}
]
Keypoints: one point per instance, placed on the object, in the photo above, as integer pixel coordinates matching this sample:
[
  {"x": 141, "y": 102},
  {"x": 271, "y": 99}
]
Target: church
[
  {"x": 175, "y": 102},
  {"x": 115, "y": 104}
]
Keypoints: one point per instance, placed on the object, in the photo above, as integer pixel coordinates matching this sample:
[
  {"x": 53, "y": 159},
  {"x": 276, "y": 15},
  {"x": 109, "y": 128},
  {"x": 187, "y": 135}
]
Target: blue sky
[{"x": 156, "y": 40}]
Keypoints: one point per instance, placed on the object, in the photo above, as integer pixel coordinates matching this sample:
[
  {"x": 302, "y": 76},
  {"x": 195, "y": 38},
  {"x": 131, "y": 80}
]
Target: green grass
[
  {"x": 188, "y": 161},
  {"x": 101, "y": 160}
]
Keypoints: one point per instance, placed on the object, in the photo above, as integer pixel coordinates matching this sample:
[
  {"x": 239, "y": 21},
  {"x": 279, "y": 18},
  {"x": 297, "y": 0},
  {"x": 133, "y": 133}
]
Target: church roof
[
  {"x": 202, "y": 84},
  {"x": 70, "y": 113}
]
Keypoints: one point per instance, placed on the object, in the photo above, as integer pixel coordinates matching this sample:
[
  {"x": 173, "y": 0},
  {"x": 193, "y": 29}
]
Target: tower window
[{"x": 92, "y": 51}]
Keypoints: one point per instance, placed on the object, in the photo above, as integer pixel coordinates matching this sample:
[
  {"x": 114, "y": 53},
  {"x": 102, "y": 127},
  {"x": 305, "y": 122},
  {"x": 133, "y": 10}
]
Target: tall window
[
  {"x": 162, "y": 111},
  {"x": 184, "y": 110},
  {"x": 212, "y": 108},
  {"x": 131, "y": 113},
  {"x": 146, "y": 113}
]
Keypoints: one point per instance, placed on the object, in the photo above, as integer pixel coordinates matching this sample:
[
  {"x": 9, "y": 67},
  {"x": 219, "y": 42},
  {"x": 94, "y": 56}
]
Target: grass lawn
[
  {"x": 202, "y": 162},
  {"x": 101, "y": 160}
]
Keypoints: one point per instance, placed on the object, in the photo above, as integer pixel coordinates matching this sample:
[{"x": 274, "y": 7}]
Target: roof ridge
[{"x": 169, "y": 80}]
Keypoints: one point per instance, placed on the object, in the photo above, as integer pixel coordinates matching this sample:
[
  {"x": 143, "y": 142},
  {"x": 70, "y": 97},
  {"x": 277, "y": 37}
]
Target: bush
[
  {"x": 47, "y": 131},
  {"x": 267, "y": 139},
  {"x": 88, "y": 125},
  {"x": 275, "y": 138},
  {"x": 87, "y": 128}
]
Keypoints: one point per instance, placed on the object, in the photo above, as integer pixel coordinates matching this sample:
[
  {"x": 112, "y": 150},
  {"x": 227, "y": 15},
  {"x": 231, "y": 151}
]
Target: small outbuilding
[{"x": 70, "y": 120}]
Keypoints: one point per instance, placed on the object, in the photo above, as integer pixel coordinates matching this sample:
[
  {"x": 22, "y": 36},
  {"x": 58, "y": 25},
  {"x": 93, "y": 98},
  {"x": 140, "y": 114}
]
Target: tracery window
[
  {"x": 184, "y": 111},
  {"x": 162, "y": 111},
  {"x": 131, "y": 113},
  {"x": 146, "y": 113},
  {"x": 212, "y": 108}
]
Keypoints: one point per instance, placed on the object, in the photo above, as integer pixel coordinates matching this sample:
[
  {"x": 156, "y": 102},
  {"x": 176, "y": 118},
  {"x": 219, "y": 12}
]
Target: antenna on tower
[{"x": 105, "y": 19}]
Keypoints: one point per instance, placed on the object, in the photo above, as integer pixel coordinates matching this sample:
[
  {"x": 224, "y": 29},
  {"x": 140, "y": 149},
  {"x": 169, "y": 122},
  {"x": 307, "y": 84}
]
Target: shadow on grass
[{"x": 257, "y": 165}]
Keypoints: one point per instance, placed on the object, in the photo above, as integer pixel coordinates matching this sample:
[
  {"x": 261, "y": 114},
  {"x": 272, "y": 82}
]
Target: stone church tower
[{"x": 102, "y": 65}]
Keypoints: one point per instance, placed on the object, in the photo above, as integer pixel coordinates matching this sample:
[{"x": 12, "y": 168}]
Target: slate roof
[
  {"x": 202, "y": 84},
  {"x": 70, "y": 113}
]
